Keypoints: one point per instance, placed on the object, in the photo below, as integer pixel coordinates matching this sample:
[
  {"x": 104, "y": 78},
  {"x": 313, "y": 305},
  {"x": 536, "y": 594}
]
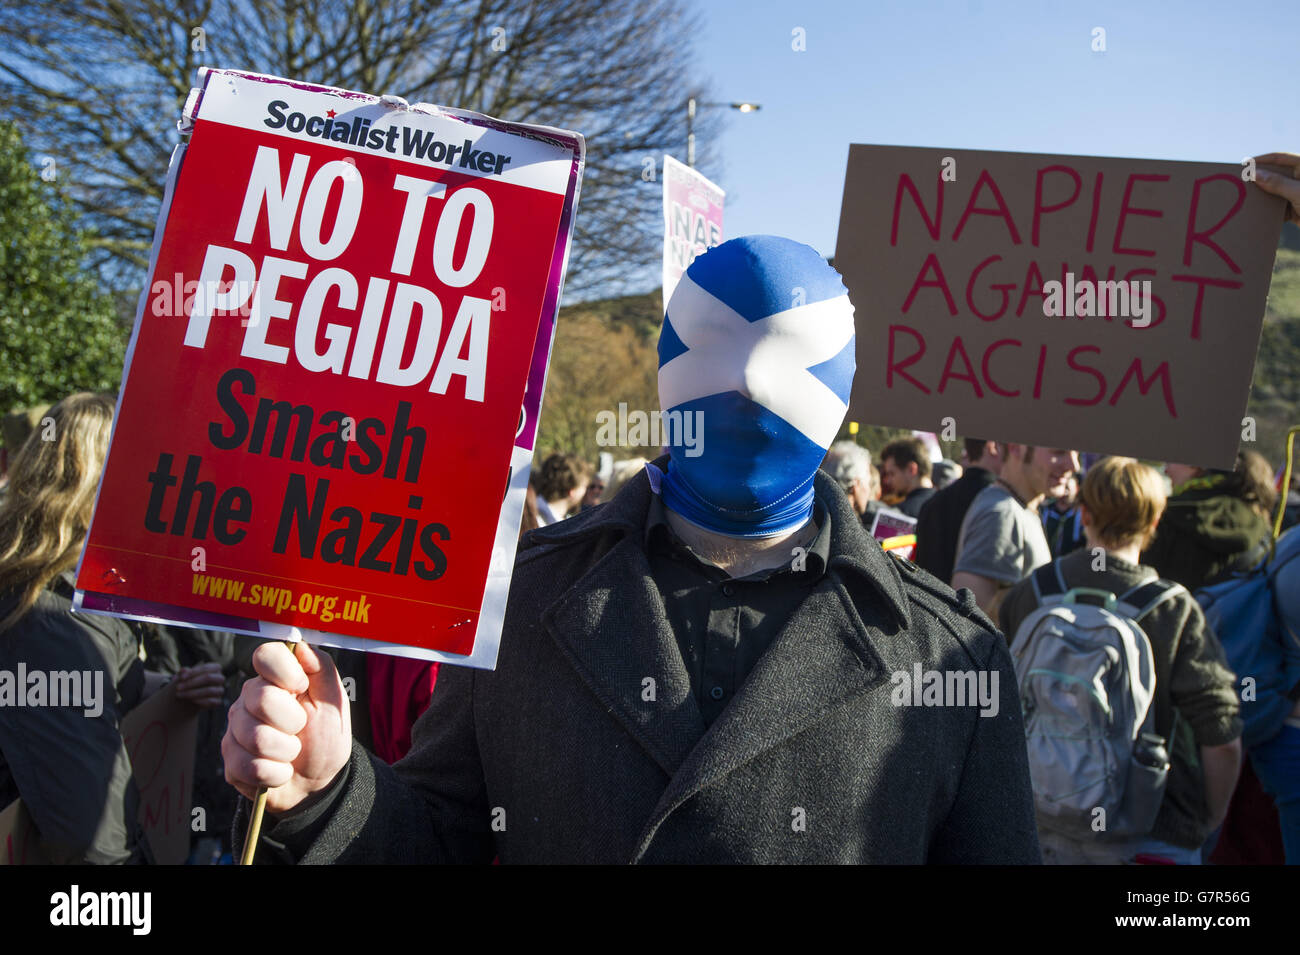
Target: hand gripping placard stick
[{"x": 259, "y": 802}]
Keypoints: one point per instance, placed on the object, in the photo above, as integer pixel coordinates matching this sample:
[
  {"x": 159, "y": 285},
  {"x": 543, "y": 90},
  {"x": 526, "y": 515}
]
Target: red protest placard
[{"x": 320, "y": 405}]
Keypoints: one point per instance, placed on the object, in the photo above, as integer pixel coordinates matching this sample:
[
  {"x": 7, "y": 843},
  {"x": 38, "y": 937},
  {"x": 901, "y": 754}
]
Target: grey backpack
[{"x": 1087, "y": 694}]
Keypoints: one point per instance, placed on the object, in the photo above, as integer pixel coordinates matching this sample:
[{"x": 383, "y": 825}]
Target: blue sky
[{"x": 1186, "y": 80}]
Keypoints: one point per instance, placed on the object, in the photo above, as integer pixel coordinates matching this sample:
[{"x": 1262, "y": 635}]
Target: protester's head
[
  {"x": 622, "y": 472},
  {"x": 563, "y": 480},
  {"x": 877, "y": 488},
  {"x": 1120, "y": 503},
  {"x": 1070, "y": 496},
  {"x": 978, "y": 453},
  {"x": 1254, "y": 482},
  {"x": 52, "y": 484},
  {"x": 905, "y": 465},
  {"x": 849, "y": 463},
  {"x": 1251, "y": 480},
  {"x": 758, "y": 346},
  {"x": 945, "y": 472},
  {"x": 1036, "y": 471},
  {"x": 595, "y": 491}
]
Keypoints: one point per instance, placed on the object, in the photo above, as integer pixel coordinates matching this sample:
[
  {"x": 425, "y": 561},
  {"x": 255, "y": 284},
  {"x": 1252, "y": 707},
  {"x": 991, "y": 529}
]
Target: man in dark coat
[{"x": 719, "y": 665}]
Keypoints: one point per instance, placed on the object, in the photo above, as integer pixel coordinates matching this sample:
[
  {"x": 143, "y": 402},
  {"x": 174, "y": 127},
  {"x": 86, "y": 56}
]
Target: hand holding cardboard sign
[
  {"x": 290, "y": 729},
  {"x": 1279, "y": 185}
]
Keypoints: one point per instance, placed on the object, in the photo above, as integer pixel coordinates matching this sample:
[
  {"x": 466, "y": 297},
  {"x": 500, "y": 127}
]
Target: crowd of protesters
[
  {"x": 1017, "y": 509},
  {"x": 1004, "y": 513},
  {"x": 71, "y": 768},
  {"x": 75, "y": 777},
  {"x": 1001, "y": 542},
  {"x": 993, "y": 521}
]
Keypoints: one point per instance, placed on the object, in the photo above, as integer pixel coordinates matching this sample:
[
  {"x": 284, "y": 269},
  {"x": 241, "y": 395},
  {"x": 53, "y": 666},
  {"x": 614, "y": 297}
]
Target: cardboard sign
[
  {"x": 321, "y": 410},
  {"x": 1109, "y": 305},
  {"x": 692, "y": 220},
  {"x": 160, "y": 737}
]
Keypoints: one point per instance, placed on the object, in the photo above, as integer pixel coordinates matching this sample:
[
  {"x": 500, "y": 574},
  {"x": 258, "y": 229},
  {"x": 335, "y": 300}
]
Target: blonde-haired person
[
  {"x": 1121, "y": 503},
  {"x": 65, "y": 757}
]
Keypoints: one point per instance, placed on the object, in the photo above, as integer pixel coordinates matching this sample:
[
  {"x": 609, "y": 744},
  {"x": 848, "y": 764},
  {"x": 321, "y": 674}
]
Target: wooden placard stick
[{"x": 259, "y": 802}]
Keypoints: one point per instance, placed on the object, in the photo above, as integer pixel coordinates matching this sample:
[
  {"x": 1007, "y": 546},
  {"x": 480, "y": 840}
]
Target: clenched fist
[{"x": 289, "y": 730}]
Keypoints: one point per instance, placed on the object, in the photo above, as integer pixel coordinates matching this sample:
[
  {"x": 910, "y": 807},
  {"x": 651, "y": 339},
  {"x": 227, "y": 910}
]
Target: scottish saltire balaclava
[{"x": 758, "y": 340}]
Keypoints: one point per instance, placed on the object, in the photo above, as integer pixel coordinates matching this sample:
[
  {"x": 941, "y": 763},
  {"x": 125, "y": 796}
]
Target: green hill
[{"x": 1275, "y": 393}]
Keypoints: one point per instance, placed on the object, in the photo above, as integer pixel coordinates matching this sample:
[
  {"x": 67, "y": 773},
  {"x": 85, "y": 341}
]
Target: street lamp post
[{"x": 690, "y": 121}]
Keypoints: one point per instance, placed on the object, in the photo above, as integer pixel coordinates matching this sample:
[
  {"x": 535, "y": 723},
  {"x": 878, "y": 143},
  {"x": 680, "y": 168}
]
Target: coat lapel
[{"x": 612, "y": 627}]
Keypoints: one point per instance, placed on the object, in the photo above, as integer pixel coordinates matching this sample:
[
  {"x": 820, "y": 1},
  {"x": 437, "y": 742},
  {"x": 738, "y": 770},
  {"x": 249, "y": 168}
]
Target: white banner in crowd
[{"x": 692, "y": 220}]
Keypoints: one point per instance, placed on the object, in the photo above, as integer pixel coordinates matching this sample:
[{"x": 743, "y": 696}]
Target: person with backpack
[
  {"x": 1256, "y": 616},
  {"x": 1113, "y": 663}
]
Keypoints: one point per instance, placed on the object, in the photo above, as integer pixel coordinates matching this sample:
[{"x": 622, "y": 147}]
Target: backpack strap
[
  {"x": 1285, "y": 551},
  {"x": 1255, "y": 558},
  {"x": 1142, "y": 599},
  {"x": 1048, "y": 583}
]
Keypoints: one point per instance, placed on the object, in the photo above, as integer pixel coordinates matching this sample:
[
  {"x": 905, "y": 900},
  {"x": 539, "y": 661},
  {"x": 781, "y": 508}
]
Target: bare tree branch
[{"x": 99, "y": 84}]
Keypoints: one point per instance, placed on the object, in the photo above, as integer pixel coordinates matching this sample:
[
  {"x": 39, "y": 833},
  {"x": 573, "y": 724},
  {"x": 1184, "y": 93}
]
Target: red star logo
[{"x": 330, "y": 114}]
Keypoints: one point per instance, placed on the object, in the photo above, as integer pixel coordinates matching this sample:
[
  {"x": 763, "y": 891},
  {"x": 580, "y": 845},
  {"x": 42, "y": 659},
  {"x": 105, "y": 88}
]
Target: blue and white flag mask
[{"x": 757, "y": 347}]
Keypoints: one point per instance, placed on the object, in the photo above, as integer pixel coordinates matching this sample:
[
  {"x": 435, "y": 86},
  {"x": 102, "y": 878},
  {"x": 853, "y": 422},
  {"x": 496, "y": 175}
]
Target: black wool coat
[{"x": 586, "y": 743}]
